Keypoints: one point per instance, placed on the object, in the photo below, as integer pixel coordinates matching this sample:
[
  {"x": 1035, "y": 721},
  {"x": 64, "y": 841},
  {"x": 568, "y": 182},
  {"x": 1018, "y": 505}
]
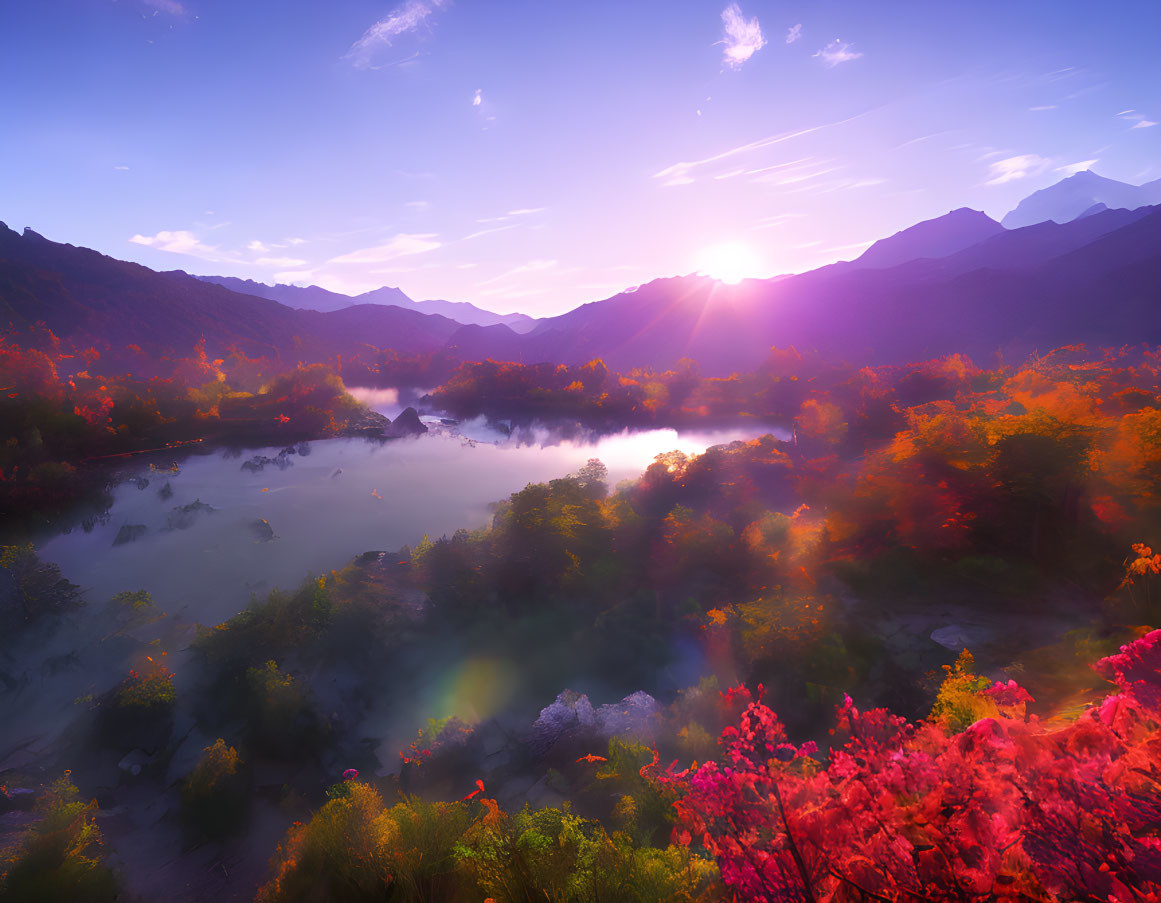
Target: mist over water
[{"x": 345, "y": 497}]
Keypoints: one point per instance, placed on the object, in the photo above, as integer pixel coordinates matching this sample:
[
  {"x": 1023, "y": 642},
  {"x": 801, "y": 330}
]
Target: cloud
[
  {"x": 406, "y": 17},
  {"x": 477, "y": 98},
  {"x": 1072, "y": 169},
  {"x": 682, "y": 173},
  {"x": 794, "y": 33},
  {"x": 279, "y": 262},
  {"x": 837, "y": 51},
  {"x": 257, "y": 246},
  {"x": 122, "y": 168},
  {"x": 1020, "y": 167},
  {"x": 1138, "y": 119},
  {"x": 181, "y": 242},
  {"x": 1042, "y": 108},
  {"x": 487, "y": 231},
  {"x": 742, "y": 38},
  {"x": 402, "y": 245},
  {"x": 532, "y": 266},
  {"x": 165, "y": 6},
  {"x": 521, "y": 211},
  {"x": 295, "y": 241}
]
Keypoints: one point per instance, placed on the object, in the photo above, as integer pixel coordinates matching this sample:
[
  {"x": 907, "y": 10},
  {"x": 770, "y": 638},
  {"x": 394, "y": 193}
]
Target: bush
[
  {"x": 59, "y": 858},
  {"x": 31, "y": 589},
  {"x": 214, "y": 794},
  {"x": 283, "y": 719},
  {"x": 353, "y": 849}
]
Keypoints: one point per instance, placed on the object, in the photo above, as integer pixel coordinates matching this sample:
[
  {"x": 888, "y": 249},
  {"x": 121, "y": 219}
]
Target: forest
[{"x": 826, "y": 749}]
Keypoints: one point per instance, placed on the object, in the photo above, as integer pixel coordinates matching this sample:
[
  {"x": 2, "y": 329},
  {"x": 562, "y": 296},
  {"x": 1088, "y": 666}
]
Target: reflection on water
[{"x": 345, "y": 497}]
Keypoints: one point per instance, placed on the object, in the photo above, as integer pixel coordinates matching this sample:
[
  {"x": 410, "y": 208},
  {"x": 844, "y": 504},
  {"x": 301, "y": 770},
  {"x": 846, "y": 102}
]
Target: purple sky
[{"x": 536, "y": 155}]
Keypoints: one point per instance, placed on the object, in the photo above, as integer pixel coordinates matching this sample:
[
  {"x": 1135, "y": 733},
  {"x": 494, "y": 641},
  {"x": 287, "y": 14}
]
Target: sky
[{"x": 535, "y": 155}]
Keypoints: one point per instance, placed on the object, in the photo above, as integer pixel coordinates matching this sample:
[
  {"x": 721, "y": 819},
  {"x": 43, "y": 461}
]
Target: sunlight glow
[{"x": 729, "y": 262}]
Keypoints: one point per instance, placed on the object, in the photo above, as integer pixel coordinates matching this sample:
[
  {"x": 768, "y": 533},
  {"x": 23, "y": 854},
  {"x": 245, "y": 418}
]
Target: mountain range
[
  {"x": 1075, "y": 196},
  {"x": 957, "y": 283},
  {"x": 312, "y": 297}
]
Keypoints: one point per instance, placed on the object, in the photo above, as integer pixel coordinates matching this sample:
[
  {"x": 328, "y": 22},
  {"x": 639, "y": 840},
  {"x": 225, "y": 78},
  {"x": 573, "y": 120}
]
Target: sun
[{"x": 728, "y": 262}]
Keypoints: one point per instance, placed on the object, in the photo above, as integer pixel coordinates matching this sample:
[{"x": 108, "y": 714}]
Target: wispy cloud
[
  {"x": 1010, "y": 169},
  {"x": 1139, "y": 120},
  {"x": 743, "y": 37},
  {"x": 857, "y": 246},
  {"x": 182, "y": 242},
  {"x": 481, "y": 232},
  {"x": 1042, "y": 108},
  {"x": 521, "y": 211},
  {"x": 257, "y": 246},
  {"x": 682, "y": 173},
  {"x": 837, "y": 51},
  {"x": 532, "y": 266},
  {"x": 794, "y": 33},
  {"x": 1071, "y": 169},
  {"x": 165, "y": 6},
  {"x": 121, "y": 168},
  {"x": 402, "y": 245},
  {"x": 279, "y": 262},
  {"x": 478, "y": 97},
  {"x": 405, "y": 18}
]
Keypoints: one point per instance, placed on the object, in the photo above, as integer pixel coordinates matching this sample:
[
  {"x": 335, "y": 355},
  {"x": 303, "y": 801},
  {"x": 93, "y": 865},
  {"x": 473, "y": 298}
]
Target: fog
[{"x": 345, "y": 497}]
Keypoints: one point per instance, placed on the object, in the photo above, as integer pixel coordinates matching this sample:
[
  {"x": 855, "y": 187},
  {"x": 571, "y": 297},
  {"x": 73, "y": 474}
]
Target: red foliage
[{"x": 1005, "y": 810}]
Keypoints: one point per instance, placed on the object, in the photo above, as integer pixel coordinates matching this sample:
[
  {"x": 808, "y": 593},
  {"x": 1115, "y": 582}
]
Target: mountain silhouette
[{"x": 1071, "y": 197}]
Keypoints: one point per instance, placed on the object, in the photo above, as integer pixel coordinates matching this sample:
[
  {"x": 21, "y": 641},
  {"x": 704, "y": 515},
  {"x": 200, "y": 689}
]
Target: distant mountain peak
[
  {"x": 1099, "y": 207},
  {"x": 1070, "y": 198},
  {"x": 934, "y": 238}
]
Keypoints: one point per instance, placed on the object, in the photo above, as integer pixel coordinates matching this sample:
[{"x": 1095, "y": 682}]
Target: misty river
[{"x": 345, "y": 497}]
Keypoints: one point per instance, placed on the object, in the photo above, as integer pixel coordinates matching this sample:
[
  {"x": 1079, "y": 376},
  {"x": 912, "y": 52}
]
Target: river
[{"x": 344, "y": 497}]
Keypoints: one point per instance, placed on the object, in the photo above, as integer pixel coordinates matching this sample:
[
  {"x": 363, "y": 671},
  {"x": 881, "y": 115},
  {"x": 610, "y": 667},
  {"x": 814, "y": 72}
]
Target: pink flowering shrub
[{"x": 1004, "y": 810}]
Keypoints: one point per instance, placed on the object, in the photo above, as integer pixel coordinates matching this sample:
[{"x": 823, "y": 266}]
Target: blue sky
[{"x": 535, "y": 155}]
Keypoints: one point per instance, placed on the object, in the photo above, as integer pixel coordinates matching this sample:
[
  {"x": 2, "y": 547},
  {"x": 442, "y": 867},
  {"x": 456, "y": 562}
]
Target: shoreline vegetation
[{"x": 1024, "y": 497}]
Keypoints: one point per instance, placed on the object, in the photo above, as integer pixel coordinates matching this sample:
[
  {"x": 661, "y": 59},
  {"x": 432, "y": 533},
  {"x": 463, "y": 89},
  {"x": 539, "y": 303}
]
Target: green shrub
[
  {"x": 283, "y": 720},
  {"x": 214, "y": 794},
  {"x": 60, "y": 857}
]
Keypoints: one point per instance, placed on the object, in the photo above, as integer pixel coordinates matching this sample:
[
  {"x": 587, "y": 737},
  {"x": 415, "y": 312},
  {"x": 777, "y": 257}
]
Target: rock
[
  {"x": 262, "y": 530},
  {"x": 406, "y": 424},
  {"x": 134, "y": 760},
  {"x": 16, "y": 799},
  {"x": 183, "y": 516},
  {"x": 259, "y": 463},
  {"x": 140, "y": 482},
  {"x": 166, "y": 491},
  {"x": 957, "y": 638},
  {"x": 572, "y": 716},
  {"x": 632, "y": 717},
  {"x": 571, "y": 713},
  {"x": 129, "y": 533}
]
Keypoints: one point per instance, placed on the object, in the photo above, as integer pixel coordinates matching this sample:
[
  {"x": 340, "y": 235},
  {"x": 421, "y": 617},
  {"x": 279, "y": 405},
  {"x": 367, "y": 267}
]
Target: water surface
[{"x": 345, "y": 497}]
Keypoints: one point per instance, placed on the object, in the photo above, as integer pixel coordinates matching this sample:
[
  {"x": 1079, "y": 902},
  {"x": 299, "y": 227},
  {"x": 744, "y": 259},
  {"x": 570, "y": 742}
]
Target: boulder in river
[
  {"x": 262, "y": 530},
  {"x": 406, "y": 424},
  {"x": 183, "y": 516},
  {"x": 129, "y": 533}
]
